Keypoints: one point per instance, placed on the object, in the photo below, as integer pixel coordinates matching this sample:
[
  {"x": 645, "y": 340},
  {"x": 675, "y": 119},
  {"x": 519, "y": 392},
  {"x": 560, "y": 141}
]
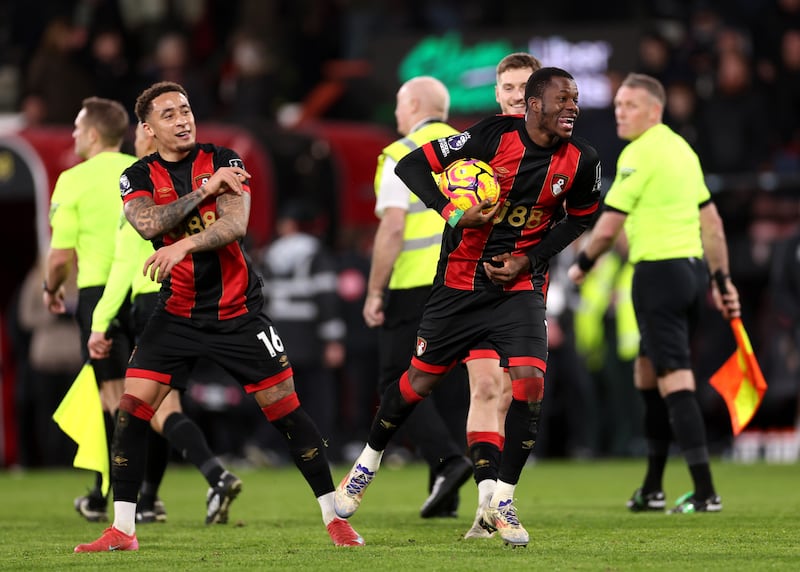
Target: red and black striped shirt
[
  {"x": 217, "y": 284},
  {"x": 537, "y": 184}
]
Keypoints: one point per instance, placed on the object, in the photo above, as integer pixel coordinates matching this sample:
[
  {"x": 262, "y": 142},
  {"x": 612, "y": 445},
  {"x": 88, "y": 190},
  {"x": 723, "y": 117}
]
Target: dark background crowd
[{"x": 732, "y": 73}]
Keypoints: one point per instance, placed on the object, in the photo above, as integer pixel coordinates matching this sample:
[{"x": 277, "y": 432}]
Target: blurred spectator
[
  {"x": 782, "y": 366},
  {"x": 248, "y": 83},
  {"x": 655, "y": 57},
  {"x": 148, "y": 20},
  {"x": 170, "y": 61},
  {"x": 110, "y": 67},
  {"x": 734, "y": 135},
  {"x": 607, "y": 340},
  {"x": 311, "y": 37},
  {"x": 359, "y": 399},
  {"x": 49, "y": 350},
  {"x": 769, "y": 27},
  {"x": 569, "y": 414},
  {"x": 300, "y": 281},
  {"x": 787, "y": 91},
  {"x": 681, "y": 112},
  {"x": 704, "y": 25},
  {"x": 729, "y": 40},
  {"x": 57, "y": 81}
]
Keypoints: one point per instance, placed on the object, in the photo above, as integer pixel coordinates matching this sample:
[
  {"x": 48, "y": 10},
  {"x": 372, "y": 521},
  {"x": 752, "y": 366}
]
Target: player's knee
[
  {"x": 504, "y": 402},
  {"x": 484, "y": 389},
  {"x": 420, "y": 382}
]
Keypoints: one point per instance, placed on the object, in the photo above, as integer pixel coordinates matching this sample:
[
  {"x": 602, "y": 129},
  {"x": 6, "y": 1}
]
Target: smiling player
[{"x": 491, "y": 280}]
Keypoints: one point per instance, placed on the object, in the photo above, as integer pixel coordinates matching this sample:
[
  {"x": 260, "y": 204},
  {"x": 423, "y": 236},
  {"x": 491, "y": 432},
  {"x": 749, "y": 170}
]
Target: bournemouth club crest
[{"x": 558, "y": 184}]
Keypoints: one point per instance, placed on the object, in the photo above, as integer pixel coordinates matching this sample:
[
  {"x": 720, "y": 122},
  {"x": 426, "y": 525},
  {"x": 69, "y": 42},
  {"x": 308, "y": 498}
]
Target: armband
[{"x": 584, "y": 262}]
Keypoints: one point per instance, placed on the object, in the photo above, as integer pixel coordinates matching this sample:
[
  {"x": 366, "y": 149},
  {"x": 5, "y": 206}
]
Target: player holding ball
[{"x": 491, "y": 279}]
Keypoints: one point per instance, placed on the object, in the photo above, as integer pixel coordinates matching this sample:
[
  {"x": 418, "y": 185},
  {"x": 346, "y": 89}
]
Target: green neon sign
[{"x": 468, "y": 72}]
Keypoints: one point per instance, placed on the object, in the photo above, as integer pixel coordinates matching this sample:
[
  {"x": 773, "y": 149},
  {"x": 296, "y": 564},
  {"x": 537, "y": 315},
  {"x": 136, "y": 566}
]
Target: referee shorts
[
  {"x": 248, "y": 348},
  {"x": 513, "y": 324},
  {"x": 668, "y": 296},
  {"x": 112, "y": 367}
]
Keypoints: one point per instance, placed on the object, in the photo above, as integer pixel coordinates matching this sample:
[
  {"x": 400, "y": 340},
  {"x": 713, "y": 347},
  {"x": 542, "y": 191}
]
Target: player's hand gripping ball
[{"x": 467, "y": 182}]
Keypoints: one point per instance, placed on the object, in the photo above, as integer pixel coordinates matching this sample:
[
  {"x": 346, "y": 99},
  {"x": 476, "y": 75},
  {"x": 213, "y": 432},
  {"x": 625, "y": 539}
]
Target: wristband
[
  {"x": 452, "y": 214},
  {"x": 584, "y": 262},
  {"x": 719, "y": 279}
]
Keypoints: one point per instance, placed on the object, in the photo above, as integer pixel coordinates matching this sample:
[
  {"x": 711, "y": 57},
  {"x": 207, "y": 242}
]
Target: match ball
[{"x": 467, "y": 182}]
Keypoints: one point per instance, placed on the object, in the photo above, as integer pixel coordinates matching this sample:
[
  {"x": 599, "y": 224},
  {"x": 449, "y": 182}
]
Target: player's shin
[
  {"x": 128, "y": 457},
  {"x": 397, "y": 403},
  {"x": 306, "y": 446},
  {"x": 129, "y": 447},
  {"x": 522, "y": 426}
]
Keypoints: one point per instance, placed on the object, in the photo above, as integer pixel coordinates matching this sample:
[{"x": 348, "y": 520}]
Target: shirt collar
[{"x": 424, "y": 122}]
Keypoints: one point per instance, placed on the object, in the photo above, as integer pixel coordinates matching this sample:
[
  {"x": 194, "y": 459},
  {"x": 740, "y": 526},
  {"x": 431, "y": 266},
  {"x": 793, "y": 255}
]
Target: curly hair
[{"x": 144, "y": 103}]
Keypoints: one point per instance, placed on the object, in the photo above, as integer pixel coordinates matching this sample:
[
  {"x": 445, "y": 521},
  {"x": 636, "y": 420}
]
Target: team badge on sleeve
[
  {"x": 124, "y": 185},
  {"x": 421, "y": 346}
]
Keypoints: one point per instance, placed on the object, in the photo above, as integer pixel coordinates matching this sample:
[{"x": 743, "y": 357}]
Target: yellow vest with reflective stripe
[
  {"x": 609, "y": 281},
  {"x": 422, "y": 238}
]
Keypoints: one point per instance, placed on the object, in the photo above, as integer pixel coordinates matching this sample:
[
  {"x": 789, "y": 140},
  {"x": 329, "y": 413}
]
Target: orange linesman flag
[{"x": 739, "y": 381}]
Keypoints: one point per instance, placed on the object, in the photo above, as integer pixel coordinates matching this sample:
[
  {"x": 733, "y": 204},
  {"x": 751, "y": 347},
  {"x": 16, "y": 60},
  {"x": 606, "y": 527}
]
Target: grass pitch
[{"x": 574, "y": 512}]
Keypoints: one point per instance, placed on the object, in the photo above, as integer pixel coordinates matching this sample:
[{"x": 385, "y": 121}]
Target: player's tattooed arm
[
  {"x": 151, "y": 220},
  {"x": 233, "y": 212}
]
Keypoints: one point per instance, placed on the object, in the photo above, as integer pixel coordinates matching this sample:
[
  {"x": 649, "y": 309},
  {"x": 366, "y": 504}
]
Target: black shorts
[
  {"x": 668, "y": 296},
  {"x": 248, "y": 348},
  {"x": 456, "y": 321},
  {"x": 142, "y": 308},
  {"x": 112, "y": 367},
  {"x": 403, "y": 312},
  {"x": 482, "y": 350}
]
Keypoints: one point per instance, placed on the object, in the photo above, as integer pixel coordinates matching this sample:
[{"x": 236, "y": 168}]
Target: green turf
[{"x": 574, "y": 512}]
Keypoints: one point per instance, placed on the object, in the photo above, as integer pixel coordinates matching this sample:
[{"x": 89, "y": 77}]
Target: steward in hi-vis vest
[{"x": 422, "y": 239}]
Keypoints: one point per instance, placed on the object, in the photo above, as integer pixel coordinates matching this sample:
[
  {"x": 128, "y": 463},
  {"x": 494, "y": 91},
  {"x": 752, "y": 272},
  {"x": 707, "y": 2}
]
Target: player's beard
[{"x": 184, "y": 147}]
